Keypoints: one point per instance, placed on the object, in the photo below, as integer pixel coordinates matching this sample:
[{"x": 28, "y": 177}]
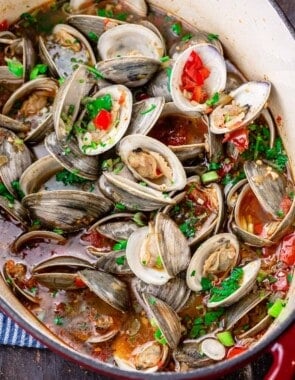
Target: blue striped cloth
[{"x": 12, "y": 334}]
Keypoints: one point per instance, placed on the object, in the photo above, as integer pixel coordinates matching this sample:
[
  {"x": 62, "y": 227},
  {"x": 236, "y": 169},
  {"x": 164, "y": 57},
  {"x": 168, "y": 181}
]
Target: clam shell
[
  {"x": 138, "y": 7},
  {"x": 109, "y": 263},
  {"x": 107, "y": 287},
  {"x": 57, "y": 280},
  {"x": 36, "y": 235},
  {"x": 159, "y": 85},
  {"x": 166, "y": 319},
  {"x": 71, "y": 158},
  {"x": 194, "y": 272},
  {"x": 216, "y": 82},
  {"x": 61, "y": 261},
  {"x": 132, "y": 143},
  {"x": 248, "y": 281},
  {"x": 117, "y": 130},
  {"x": 16, "y": 211},
  {"x": 251, "y": 94}
]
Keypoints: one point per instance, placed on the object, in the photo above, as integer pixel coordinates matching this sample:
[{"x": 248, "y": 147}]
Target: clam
[
  {"x": 165, "y": 318},
  {"x": 113, "y": 262},
  {"x": 58, "y": 261},
  {"x": 174, "y": 292},
  {"x": 183, "y": 132},
  {"x": 130, "y": 54},
  {"x": 116, "y": 226},
  {"x": 250, "y": 272},
  {"x": 107, "y": 287},
  {"x": 15, "y": 210},
  {"x": 67, "y": 103},
  {"x": 148, "y": 358},
  {"x": 159, "y": 85},
  {"x": 36, "y": 235},
  {"x": 152, "y": 162},
  {"x": 247, "y": 102},
  {"x": 198, "y": 210},
  {"x": 145, "y": 114},
  {"x": 34, "y": 107},
  {"x": 234, "y": 77},
  {"x": 133, "y": 195},
  {"x": 236, "y": 312},
  {"x": 70, "y": 157},
  {"x": 138, "y": 7},
  {"x": 158, "y": 252},
  {"x": 198, "y": 37},
  {"x": 15, "y": 157},
  {"x": 93, "y": 139},
  {"x": 65, "y": 209},
  {"x": 215, "y": 82},
  {"x": 14, "y": 275},
  {"x": 64, "y": 49},
  {"x": 216, "y": 257}
]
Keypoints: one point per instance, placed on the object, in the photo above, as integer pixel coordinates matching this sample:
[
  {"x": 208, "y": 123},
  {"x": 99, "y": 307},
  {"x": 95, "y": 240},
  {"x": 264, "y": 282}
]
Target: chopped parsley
[
  {"x": 152, "y": 301},
  {"x": 120, "y": 206},
  {"x": 227, "y": 286},
  {"x": 58, "y": 231},
  {"x": 176, "y": 28},
  {"x": 120, "y": 260},
  {"x": 93, "y": 106},
  {"x": 206, "y": 283},
  {"x": 150, "y": 109},
  {"x": 37, "y": 70},
  {"x": 6, "y": 194},
  {"x": 166, "y": 58},
  {"x": 186, "y": 37},
  {"x": 213, "y": 100},
  {"x": 92, "y": 36},
  {"x": 15, "y": 67},
  {"x": 105, "y": 13},
  {"x": 200, "y": 324},
  {"x": 120, "y": 245},
  {"x": 280, "y": 213},
  {"x": 16, "y": 187},
  {"x": 193, "y": 273},
  {"x": 28, "y": 19},
  {"x": 159, "y": 337},
  {"x": 69, "y": 178},
  {"x": 188, "y": 227},
  {"x": 58, "y": 320},
  {"x": 212, "y": 37}
]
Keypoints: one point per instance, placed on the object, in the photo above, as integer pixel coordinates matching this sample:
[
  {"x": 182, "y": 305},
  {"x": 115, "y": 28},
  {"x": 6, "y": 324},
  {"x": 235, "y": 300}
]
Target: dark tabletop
[{"x": 33, "y": 364}]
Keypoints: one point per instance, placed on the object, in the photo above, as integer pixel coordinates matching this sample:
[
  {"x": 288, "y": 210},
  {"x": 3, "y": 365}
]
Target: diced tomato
[
  {"x": 226, "y": 168},
  {"x": 199, "y": 95},
  {"x": 99, "y": 241},
  {"x": 194, "y": 60},
  {"x": 234, "y": 351},
  {"x": 187, "y": 84},
  {"x": 285, "y": 204},
  {"x": 258, "y": 228},
  {"x": 194, "y": 74},
  {"x": 122, "y": 98},
  {"x": 282, "y": 282},
  {"x": 103, "y": 120},
  {"x": 204, "y": 72},
  {"x": 239, "y": 137},
  {"x": 79, "y": 283},
  {"x": 287, "y": 249},
  {"x": 4, "y": 25}
]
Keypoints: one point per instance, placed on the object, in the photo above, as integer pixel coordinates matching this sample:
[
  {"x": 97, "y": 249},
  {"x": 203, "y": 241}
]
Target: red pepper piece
[
  {"x": 103, "y": 120},
  {"x": 4, "y": 25},
  {"x": 79, "y": 283},
  {"x": 239, "y": 137},
  {"x": 234, "y": 351},
  {"x": 287, "y": 249}
]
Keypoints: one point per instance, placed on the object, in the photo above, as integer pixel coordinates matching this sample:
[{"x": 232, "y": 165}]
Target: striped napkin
[{"x": 11, "y": 334}]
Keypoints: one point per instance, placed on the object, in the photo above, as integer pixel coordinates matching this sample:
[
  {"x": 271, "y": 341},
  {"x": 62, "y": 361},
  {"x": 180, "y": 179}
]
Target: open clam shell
[
  {"x": 130, "y": 193},
  {"x": 36, "y": 235},
  {"x": 71, "y": 158},
  {"x": 250, "y": 272},
  {"x": 216, "y": 256},
  {"x": 145, "y": 114},
  {"x": 248, "y": 101},
  {"x": 107, "y": 287},
  {"x": 114, "y": 262},
  {"x": 166, "y": 319},
  {"x": 16, "y": 211},
  {"x": 67, "y": 102},
  {"x": 99, "y": 141},
  {"x": 15, "y": 157},
  {"x": 216, "y": 81},
  {"x": 159, "y": 85},
  {"x": 175, "y": 292},
  {"x": 166, "y": 172},
  {"x": 35, "y": 112},
  {"x": 58, "y": 50},
  {"x": 61, "y": 261}
]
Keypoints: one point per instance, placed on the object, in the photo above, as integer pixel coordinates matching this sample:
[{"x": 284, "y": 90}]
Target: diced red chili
[
  {"x": 234, "y": 351},
  {"x": 103, "y": 120},
  {"x": 239, "y": 137},
  {"x": 4, "y": 25},
  {"x": 79, "y": 283},
  {"x": 287, "y": 249}
]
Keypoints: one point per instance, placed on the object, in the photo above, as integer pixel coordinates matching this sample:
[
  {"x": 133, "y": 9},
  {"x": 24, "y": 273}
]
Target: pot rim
[{"x": 211, "y": 371}]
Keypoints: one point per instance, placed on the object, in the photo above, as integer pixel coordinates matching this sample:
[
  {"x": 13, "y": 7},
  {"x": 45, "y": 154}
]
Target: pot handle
[{"x": 283, "y": 354}]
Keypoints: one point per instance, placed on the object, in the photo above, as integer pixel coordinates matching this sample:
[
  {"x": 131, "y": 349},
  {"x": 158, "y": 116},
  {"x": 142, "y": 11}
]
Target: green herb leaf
[
  {"x": 58, "y": 231},
  {"x": 193, "y": 273},
  {"x": 58, "y": 320},
  {"x": 227, "y": 286},
  {"x": 105, "y": 13},
  {"x": 150, "y": 109},
  {"x": 188, "y": 227},
  {"x": 93, "y": 36},
  {"x": 206, "y": 283},
  {"x": 69, "y": 178},
  {"x": 166, "y": 58},
  {"x": 16, "y": 187},
  {"x": 6, "y": 194},
  {"x": 211, "y": 37},
  {"x": 159, "y": 337},
  {"x": 120, "y": 260},
  {"x": 15, "y": 67},
  {"x": 140, "y": 219},
  {"x": 212, "y": 316},
  {"x": 28, "y": 18},
  {"x": 120, "y": 245},
  {"x": 120, "y": 206},
  {"x": 186, "y": 37},
  {"x": 38, "y": 70},
  {"x": 152, "y": 301},
  {"x": 97, "y": 74},
  {"x": 102, "y": 103},
  {"x": 176, "y": 28},
  {"x": 213, "y": 100}
]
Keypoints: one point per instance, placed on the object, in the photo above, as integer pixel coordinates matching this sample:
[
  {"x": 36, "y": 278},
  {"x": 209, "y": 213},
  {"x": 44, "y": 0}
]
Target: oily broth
[{"x": 72, "y": 314}]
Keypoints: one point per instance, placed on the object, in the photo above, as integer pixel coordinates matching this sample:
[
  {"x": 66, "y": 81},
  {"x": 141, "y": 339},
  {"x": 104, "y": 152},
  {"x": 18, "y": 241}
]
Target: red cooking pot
[{"x": 259, "y": 38}]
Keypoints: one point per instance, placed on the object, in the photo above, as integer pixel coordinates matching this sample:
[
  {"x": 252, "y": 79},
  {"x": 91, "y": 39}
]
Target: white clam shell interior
[
  {"x": 253, "y": 94},
  {"x": 130, "y": 40},
  {"x": 216, "y": 81}
]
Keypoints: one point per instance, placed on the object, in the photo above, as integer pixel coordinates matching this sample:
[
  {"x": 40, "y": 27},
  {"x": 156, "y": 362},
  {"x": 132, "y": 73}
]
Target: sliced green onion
[
  {"x": 166, "y": 58},
  {"x": 37, "y": 70},
  {"x": 15, "y": 67},
  {"x": 159, "y": 337},
  {"x": 211, "y": 37},
  {"x": 226, "y": 338},
  {"x": 213, "y": 100},
  {"x": 275, "y": 310},
  {"x": 93, "y": 36},
  {"x": 208, "y": 177},
  {"x": 120, "y": 245},
  {"x": 176, "y": 28}
]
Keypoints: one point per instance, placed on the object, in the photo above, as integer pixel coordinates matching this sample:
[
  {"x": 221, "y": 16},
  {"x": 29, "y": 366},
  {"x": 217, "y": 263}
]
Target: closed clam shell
[
  {"x": 114, "y": 262},
  {"x": 65, "y": 261},
  {"x": 16, "y": 211},
  {"x": 166, "y": 319},
  {"x": 36, "y": 235},
  {"x": 107, "y": 287}
]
